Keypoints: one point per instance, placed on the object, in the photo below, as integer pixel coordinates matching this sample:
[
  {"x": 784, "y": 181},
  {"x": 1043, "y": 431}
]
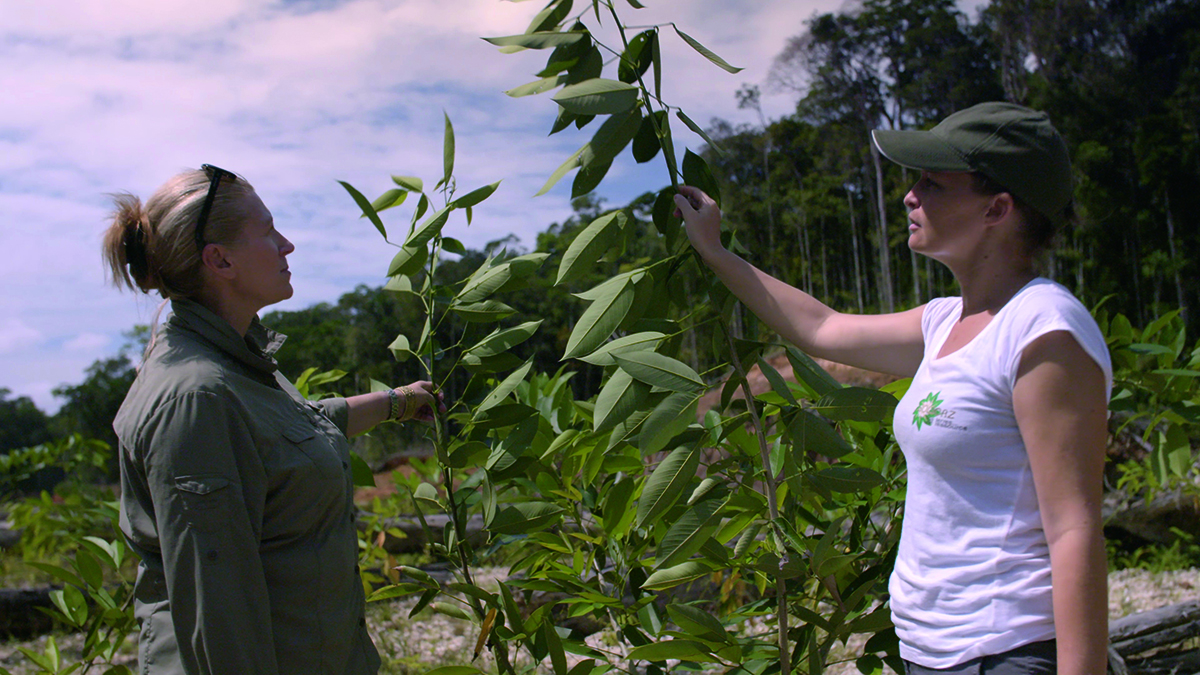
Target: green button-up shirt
[{"x": 238, "y": 496}]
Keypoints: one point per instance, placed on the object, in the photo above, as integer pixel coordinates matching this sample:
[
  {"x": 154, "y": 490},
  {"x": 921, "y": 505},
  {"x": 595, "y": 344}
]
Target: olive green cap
[{"x": 1013, "y": 145}]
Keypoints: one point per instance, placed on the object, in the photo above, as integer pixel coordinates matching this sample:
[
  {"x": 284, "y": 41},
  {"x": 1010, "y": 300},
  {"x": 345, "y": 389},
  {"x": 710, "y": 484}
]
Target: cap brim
[{"x": 919, "y": 150}]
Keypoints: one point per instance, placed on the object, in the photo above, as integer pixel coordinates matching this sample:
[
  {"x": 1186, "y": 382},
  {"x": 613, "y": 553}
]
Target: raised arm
[
  {"x": 888, "y": 343},
  {"x": 367, "y": 410}
]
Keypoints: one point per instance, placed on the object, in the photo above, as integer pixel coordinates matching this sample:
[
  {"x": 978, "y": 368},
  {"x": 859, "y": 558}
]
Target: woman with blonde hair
[
  {"x": 1001, "y": 566},
  {"x": 236, "y": 491}
]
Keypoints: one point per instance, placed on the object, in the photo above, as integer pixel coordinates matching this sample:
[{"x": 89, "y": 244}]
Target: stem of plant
[
  {"x": 785, "y": 651},
  {"x": 646, "y": 97}
]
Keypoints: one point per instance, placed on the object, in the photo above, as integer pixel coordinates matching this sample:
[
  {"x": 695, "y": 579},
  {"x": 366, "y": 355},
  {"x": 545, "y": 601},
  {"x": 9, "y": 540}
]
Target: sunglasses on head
[{"x": 214, "y": 179}]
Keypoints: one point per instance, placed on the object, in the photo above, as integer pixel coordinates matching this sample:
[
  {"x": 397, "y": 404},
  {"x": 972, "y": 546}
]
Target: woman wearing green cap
[
  {"x": 1001, "y": 565},
  {"x": 236, "y": 492}
]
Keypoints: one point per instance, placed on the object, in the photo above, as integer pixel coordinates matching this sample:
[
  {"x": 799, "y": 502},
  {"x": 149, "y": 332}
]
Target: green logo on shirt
[{"x": 927, "y": 409}]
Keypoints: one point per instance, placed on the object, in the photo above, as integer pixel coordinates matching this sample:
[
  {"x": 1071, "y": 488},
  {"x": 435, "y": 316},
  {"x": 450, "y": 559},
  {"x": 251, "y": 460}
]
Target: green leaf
[
  {"x": 487, "y": 311},
  {"x": 448, "y": 151},
  {"x": 505, "y": 388},
  {"x": 644, "y": 341},
  {"x": 846, "y": 478},
  {"x": 505, "y": 339},
  {"x": 452, "y": 245},
  {"x": 686, "y": 535},
  {"x": 427, "y": 494},
  {"x": 491, "y": 364},
  {"x": 857, "y": 403},
  {"x": 537, "y": 86},
  {"x": 550, "y": 17},
  {"x": 475, "y": 196},
  {"x": 367, "y": 209},
  {"x": 455, "y": 670},
  {"x": 668, "y": 419},
  {"x": 618, "y": 515},
  {"x": 699, "y": 131},
  {"x": 660, "y": 371},
  {"x": 684, "y": 650},
  {"x": 485, "y": 281},
  {"x": 810, "y": 433},
  {"x": 410, "y": 183},
  {"x": 409, "y": 260},
  {"x": 635, "y": 61},
  {"x": 62, "y": 574},
  {"x": 706, "y": 486},
  {"x": 667, "y": 483},
  {"x": 663, "y": 214},
  {"x": 525, "y": 518},
  {"x": 501, "y": 416},
  {"x": 587, "y": 246},
  {"x": 698, "y": 622},
  {"x": 571, "y": 163},
  {"x": 398, "y": 591},
  {"x": 618, "y": 398},
  {"x": 586, "y": 67},
  {"x": 704, "y": 51},
  {"x": 778, "y": 384},
  {"x": 674, "y": 576},
  {"x": 697, "y": 174},
  {"x": 538, "y": 40},
  {"x": 558, "y": 657},
  {"x": 431, "y": 227},
  {"x": 601, "y": 318},
  {"x": 597, "y": 96},
  {"x": 389, "y": 199},
  {"x": 89, "y": 568},
  {"x": 807, "y": 372},
  {"x": 645, "y": 142},
  {"x": 589, "y": 178},
  {"x": 363, "y": 477},
  {"x": 400, "y": 349},
  {"x": 748, "y": 539}
]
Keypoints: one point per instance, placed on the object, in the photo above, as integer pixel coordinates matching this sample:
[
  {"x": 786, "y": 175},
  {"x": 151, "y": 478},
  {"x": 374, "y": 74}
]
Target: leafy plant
[
  {"x": 1156, "y": 397},
  {"x": 73, "y": 538},
  {"x": 613, "y": 507}
]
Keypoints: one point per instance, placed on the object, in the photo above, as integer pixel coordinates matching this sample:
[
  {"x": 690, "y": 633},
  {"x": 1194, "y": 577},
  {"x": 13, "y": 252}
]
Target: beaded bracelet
[{"x": 410, "y": 401}]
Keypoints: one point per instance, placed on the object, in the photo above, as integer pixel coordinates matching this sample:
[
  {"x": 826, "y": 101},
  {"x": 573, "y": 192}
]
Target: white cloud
[
  {"x": 104, "y": 96},
  {"x": 92, "y": 344},
  {"x": 15, "y": 334}
]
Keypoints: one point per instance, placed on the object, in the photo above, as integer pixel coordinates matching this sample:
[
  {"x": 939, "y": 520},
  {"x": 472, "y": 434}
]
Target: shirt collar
[{"x": 256, "y": 349}]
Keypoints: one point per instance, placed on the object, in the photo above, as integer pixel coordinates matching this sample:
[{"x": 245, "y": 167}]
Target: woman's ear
[
  {"x": 1001, "y": 207},
  {"x": 215, "y": 259}
]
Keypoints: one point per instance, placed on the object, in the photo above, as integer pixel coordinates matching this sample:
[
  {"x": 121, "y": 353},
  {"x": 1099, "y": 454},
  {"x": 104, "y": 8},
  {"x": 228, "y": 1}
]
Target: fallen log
[
  {"x": 1133, "y": 637},
  {"x": 19, "y": 615}
]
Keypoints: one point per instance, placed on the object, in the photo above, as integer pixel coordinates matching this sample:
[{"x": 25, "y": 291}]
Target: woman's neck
[
  {"x": 238, "y": 317},
  {"x": 989, "y": 290}
]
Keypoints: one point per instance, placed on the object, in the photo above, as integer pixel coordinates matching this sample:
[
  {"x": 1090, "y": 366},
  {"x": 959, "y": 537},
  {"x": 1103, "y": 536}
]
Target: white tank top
[{"x": 972, "y": 574}]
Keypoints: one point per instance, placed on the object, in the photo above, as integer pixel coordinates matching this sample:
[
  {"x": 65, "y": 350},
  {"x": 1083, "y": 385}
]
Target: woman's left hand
[{"x": 418, "y": 400}]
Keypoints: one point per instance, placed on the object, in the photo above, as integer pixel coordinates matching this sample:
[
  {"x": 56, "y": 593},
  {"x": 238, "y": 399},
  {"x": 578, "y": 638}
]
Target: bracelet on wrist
[{"x": 394, "y": 405}]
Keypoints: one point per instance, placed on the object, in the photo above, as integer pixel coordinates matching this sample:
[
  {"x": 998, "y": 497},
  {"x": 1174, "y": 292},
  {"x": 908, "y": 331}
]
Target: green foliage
[
  {"x": 1156, "y": 397},
  {"x": 72, "y": 537},
  {"x": 21, "y": 423},
  {"x": 801, "y": 477}
]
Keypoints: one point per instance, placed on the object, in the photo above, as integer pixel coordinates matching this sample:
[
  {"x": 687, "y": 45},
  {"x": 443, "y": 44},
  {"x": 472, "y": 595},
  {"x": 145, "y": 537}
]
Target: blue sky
[{"x": 104, "y": 96}]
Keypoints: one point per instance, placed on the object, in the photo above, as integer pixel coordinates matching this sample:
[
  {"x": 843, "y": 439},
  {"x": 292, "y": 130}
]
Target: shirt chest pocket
[{"x": 316, "y": 447}]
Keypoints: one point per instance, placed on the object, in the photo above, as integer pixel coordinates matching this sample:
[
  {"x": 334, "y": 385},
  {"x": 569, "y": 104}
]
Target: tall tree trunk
[
  {"x": 1174, "y": 260},
  {"x": 887, "y": 294},
  {"x": 858, "y": 273}
]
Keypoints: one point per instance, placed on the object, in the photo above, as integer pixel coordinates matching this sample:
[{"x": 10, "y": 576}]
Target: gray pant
[{"x": 1038, "y": 658}]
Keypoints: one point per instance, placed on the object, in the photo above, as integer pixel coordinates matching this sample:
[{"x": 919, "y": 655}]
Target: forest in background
[{"x": 813, "y": 203}]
